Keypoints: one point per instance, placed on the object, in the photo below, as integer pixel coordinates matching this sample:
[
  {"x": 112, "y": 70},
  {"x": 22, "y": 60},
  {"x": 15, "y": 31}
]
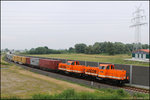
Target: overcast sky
[{"x": 62, "y": 24}]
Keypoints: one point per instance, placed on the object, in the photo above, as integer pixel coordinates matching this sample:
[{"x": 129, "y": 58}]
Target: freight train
[{"x": 105, "y": 72}]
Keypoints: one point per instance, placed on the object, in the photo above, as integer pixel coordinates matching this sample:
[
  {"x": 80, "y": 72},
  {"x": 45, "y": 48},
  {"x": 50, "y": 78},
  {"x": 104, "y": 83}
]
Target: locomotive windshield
[
  {"x": 68, "y": 63},
  {"x": 72, "y": 63},
  {"x": 107, "y": 67}
]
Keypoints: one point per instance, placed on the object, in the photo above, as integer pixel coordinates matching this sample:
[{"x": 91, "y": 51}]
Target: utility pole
[{"x": 137, "y": 21}]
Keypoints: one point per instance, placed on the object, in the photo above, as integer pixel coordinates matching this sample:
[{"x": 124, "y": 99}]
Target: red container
[
  {"x": 28, "y": 60},
  {"x": 50, "y": 64}
]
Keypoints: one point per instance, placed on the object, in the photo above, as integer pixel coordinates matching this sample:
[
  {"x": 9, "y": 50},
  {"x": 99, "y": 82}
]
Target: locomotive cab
[
  {"x": 108, "y": 71},
  {"x": 70, "y": 65}
]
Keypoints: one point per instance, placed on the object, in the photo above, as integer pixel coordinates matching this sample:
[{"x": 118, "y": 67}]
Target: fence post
[
  {"x": 130, "y": 74},
  {"x": 97, "y": 64},
  {"x": 92, "y": 83}
]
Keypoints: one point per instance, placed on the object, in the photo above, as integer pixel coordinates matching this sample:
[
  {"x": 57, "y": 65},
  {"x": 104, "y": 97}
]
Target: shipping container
[
  {"x": 49, "y": 64},
  {"x": 23, "y": 60},
  {"x": 15, "y": 58},
  {"x": 34, "y": 61},
  {"x": 19, "y": 59},
  {"x": 28, "y": 60}
]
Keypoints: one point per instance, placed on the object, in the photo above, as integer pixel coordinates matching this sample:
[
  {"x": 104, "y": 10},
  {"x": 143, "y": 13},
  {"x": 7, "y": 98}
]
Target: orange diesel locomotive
[{"x": 107, "y": 72}]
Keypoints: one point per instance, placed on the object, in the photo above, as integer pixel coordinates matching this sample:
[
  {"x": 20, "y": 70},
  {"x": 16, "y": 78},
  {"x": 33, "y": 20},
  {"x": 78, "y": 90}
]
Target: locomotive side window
[
  {"x": 100, "y": 67},
  {"x": 107, "y": 67},
  {"x": 112, "y": 67},
  {"x": 77, "y": 63}
]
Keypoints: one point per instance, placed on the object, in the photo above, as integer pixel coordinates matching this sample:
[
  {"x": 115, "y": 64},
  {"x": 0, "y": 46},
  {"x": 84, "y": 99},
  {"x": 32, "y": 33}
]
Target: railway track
[
  {"x": 86, "y": 82},
  {"x": 140, "y": 90}
]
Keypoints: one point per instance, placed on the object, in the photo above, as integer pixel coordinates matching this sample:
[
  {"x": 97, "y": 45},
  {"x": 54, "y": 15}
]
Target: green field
[{"x": 115, "y": 59}]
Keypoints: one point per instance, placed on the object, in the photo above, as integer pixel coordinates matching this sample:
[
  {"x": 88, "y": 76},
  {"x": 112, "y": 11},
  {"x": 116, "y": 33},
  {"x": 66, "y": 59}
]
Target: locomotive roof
[
  {"x": 105, "y": 64},
  {"x": 72, "y": 61}
]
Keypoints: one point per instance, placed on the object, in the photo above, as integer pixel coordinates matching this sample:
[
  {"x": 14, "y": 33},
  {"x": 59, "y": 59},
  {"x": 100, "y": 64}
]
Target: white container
[{"x": 34, "y": 61}]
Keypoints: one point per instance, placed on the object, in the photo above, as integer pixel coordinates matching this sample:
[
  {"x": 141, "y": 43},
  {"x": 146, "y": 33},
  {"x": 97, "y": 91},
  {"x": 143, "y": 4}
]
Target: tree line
[
  {"x": 107, "y": 47},
  {"x": 97, "y": 48},
  {"x": 45, "y": 50}
]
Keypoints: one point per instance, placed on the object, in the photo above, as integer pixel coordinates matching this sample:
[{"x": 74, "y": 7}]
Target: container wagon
[{"x": 49, "y": 64}]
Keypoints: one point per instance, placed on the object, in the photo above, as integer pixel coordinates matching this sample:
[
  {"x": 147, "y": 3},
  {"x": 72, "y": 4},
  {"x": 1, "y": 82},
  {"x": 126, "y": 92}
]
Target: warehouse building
[{"x": 141, "y": 54}]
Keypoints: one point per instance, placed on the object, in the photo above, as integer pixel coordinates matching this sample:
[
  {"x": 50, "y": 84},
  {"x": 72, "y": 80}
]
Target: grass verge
[{"x": 72, "y": 94}]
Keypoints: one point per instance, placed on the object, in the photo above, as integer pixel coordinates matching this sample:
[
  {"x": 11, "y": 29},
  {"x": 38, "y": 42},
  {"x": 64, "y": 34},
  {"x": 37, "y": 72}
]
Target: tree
[
  {"x": 110, "y": 48},
  {"x": 104, "y": 47},
  {"x": 145, "y": 46},
  {"x": 46, "y": 47},
  {"x": 80, "y": 48},
  {"x": 97, "y": 48},
  {"x": 71, "y": 50},
  {"x": 119, "y": 48},
  {"x": 44, "y": 50},
  {"x": 41, "y": 50},
  {"x": 89, "y": 49},
  {"x": 6, "y": 50},
  {"x": 130, "y": 47}
]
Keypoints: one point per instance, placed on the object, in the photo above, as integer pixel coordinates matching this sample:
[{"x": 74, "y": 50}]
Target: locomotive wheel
[{"x": 119, "y": 83}]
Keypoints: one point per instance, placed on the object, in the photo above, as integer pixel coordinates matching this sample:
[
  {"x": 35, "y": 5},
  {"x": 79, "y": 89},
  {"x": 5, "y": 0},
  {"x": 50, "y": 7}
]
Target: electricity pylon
[{"x": 138, "y": 17}]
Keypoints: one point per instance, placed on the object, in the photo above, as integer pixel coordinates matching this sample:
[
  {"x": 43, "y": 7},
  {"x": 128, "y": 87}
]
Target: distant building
[{"x": 141, "y": 54}]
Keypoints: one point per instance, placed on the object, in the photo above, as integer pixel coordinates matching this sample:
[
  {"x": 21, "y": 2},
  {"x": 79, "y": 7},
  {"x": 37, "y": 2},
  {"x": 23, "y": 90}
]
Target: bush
[
  {"x": 66, "y": 94},
  {"x": 121, "y": 92},
  {"x": 110, "y": 90},
  {"x": 138, "y": 95}
]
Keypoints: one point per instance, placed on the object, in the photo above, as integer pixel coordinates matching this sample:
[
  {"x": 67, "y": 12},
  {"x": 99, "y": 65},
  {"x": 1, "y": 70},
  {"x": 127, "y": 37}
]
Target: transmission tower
[{"x": 137, "y": 20}]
